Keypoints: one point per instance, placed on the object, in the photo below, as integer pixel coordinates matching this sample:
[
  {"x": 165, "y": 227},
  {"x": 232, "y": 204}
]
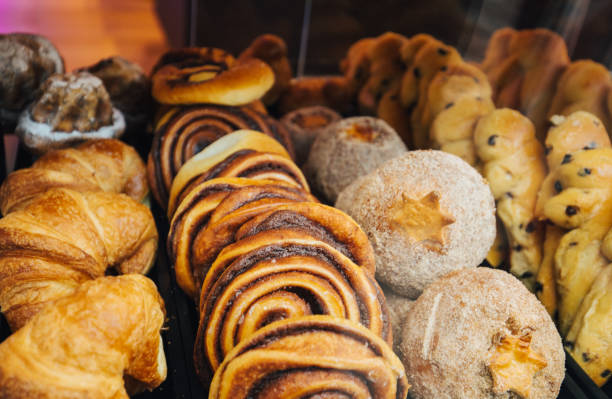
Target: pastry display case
[{"x": 501, "y": 85}]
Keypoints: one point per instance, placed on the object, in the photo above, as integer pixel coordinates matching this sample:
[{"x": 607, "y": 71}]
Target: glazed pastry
[
  {"x": 69, "y": 109},
  {"x": 26, "y": 61},
  {"x": 272, "y": 50},
  {"x": 305, "y": 124},
  {"x": 514, "y": 166},
  {"x": 244, "y": 153},
  {"x": 64, "y": 238},
  {"x": 398, "y": 306},
  {"x": 207, "y": 204},
  {"x": 280, "y": 274},
  {"x": 590, "y": 338},
  {"x": 426, "y": 213},
  {"x": 182, "y": 133},
  {"x": 347, "y": 150},
  {"x": 209, "y": 75},
  {"x": 329, "y": 91},
  {"x": 584, "y": 86},
  {"x": 479, "y": 333},
  {"x": 87, "y": 343},
  {"x": 523, "y": 68},
  {"x": 97, "y": 165},
  {"x": 309, "y": 356},
  {"x": 128, "y": 87}
]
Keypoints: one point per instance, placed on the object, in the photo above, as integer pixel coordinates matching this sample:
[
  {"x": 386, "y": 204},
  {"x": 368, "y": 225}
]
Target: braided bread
[
  {"x": 513, "y": 164},
  {"x": 64, "y": 238},
  {"x": 311, "y": 356},
  {"x": 97, "y": 165},
  {"x": 87, "y": 343}
]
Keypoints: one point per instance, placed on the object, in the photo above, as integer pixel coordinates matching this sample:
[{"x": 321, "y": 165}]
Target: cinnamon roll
[
  {"x": 280, "y": 274},
  {"x": 244, "y": 153},
  {"x": 181, "y": 133},
  {"x": 203, "y": 206},
  {"x": 311, "y": 356}
]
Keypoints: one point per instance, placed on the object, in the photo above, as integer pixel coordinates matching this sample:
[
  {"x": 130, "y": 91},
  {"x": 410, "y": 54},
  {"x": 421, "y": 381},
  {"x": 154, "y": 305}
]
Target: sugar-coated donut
[
  {"x": 349, "y": 149},
  {"x": 478, "y": 333},
  {"x": 426, "y": 213}
]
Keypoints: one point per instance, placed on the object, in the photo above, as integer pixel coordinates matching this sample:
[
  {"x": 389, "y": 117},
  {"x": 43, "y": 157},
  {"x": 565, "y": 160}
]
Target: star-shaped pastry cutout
[
  {"x": 513, "y": 364},
  {"x": 422, "y": 220}
]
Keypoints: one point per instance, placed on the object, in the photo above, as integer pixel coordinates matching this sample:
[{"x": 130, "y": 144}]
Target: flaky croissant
[
  {"x": 64, "y": 238},
  {"x": 85, "y": 344},
  {"x": 97, "y": 165}
]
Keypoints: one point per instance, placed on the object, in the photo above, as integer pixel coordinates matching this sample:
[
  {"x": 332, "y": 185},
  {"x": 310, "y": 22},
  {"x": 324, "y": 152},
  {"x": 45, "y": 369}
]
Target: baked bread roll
[
  {"x": 97, "y": 165},
  {"x": 182, "y": 133},
  {"x": 333, "y": 91},
  {"x": 70, "y": 108},
  {"x": 479, "y": 333},
  {"x": 209, "y": 75},
  {"x": 426, "y": 213},
  {"x": 355, "y": 65},
  {"x": 89, "y": 343},
  {"x": 272, "y": 50},
  {"x": 514, "y": 166},
  {"x": 26, "y": 61},
  {"x": 244, "y": 153},
  {"x": 280, "y": 274},
  {"x": 398, "y": 307},
  {"x": 200, "y": 229},
  {"x": 347, "y": 150},
  {"x": 64, "y": 238},
  {"x": 523, "y": 68},
  {"x": 309, "y": 356},
  {"x": 305, "y": 124}
]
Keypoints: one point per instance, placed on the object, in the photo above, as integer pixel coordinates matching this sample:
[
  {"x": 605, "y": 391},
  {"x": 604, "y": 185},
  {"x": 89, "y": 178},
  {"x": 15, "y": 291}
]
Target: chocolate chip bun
[
  {"x": 478, "y": 333},
  {"x": 347, "y": 150},
  {"x": 426, "y": 213}
]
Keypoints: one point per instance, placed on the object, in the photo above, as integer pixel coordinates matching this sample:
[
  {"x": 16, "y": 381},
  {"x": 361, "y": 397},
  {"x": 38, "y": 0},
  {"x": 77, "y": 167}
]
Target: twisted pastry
[
  {"x": 311, "y": 356},
  {"x": 85, "y": 344},
  {"x": 182, "y": 133},
  {"x": 209, "y": 75},
  {"x": 204, "y": 206},
  {"x": 281, "y": 274},
  {"x": 523, "y": 68},
  {"x": 590, "y": 337},
  {"x": 64, "y": 238},
  {"x": 244, "y": 153},
  {"x": 579, "y": 130},
  {"x": 513, "y": 164},
  {"x": 584, "y": 86},
  {"x": 97, "y": 165}
]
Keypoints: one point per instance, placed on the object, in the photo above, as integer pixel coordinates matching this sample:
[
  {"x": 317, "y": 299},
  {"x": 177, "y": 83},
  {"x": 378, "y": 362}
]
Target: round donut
[
  {"x": 479, "y": 333},
  {"x": 348, "y": 149},
  {"x": 426, "y": 213},
  {"x": 209, "y": 75}
]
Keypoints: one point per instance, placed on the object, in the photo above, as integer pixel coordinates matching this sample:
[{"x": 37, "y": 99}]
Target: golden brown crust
[
  {"x": 63, "y": 238},
  {"x": 308, "y": 356},
  {"x": 329, "y": 91},
  {"x": 84, "y": 344},
  {"x": 98, "y": 165}
]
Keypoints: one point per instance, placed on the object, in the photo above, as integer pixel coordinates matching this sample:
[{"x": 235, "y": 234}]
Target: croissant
[
  {"x": 85, "y": 344},
  {"x": 311, "y": 356},
  {"x": 64, "y": 238},
  {"x": 182, "y": 133},
  {"x": 96, "y": 165}
]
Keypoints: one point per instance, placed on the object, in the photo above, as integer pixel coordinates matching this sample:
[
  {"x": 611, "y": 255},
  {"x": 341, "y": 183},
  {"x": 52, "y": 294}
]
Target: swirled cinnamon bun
[
  {"x": 280, "y": 274},
  {"x": 313, "y": 356},
  {"x": 204, "y": 204},
  {"x": 244, "y": 153},
  {"x": 181, "y": 133}
]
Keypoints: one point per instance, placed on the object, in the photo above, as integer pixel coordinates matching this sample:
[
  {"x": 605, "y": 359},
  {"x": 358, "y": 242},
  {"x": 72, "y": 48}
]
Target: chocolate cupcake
[
  {"x": 426, "y": 213},
  {"x": 347, "y": 150},
  {"x": 70, "y": 108},
  {"x": 478, "y": 333},
  {"x": 26, "y": 61},
  {"x": 305, "y": 124}
]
